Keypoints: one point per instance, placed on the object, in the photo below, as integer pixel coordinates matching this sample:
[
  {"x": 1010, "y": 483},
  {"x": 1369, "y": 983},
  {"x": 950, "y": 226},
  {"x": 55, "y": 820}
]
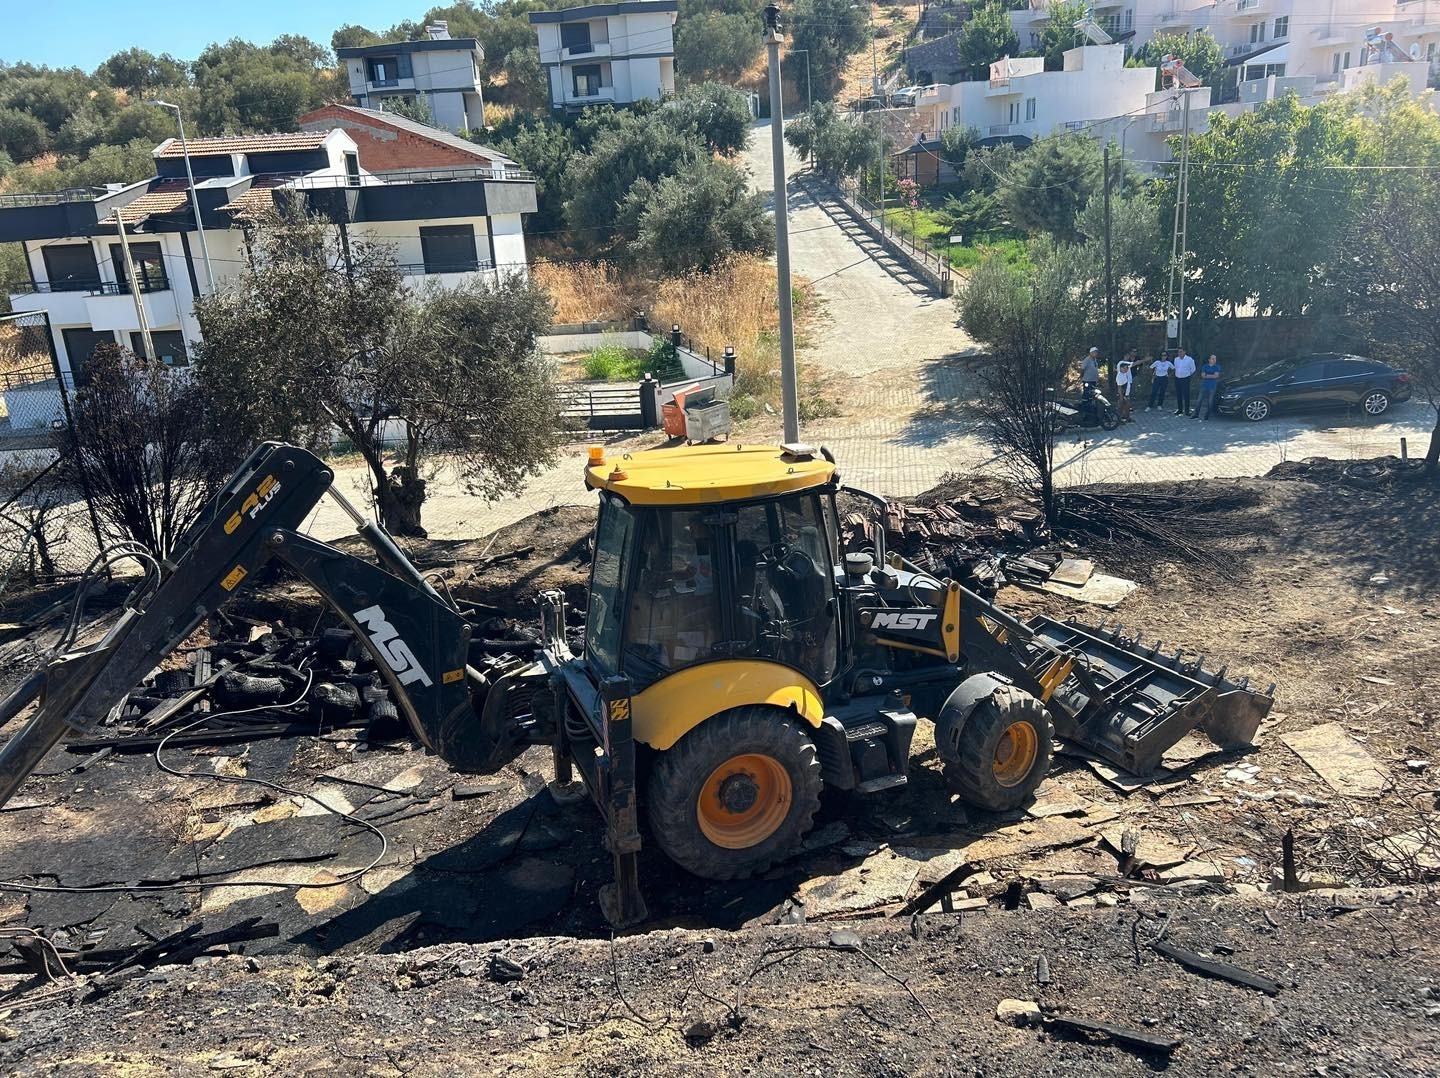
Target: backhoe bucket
[{"x": 1128, "y": 703}]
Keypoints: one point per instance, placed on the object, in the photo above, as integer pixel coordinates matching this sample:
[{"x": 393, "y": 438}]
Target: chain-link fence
[{"x": 48, "y": 529}]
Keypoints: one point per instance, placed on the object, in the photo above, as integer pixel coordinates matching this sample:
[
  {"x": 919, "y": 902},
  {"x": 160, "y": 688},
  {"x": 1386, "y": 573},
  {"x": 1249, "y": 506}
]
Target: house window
[
  {"x": 71, "y": 267},
  {"x": 352, "y": 168},
  {"x": 1257, "y": 32},
  {"x": 1282, "y": 27},
  {"x": 586, "y": 80},
  {"x": 575, "y": 36},
  {"x": 80, "y": 345},
  {"x": 149, "y": 267},
  {"x": 1014, "y": 117},
  {"x": 1029, "y": 109},
  {"x": 955, "y": 112},
  {"x": 169, "y": 346},
  {"x": 448, "y": 248},
  {"x": 386, "y": 70},
  {"x": 1335, "y": 64}
]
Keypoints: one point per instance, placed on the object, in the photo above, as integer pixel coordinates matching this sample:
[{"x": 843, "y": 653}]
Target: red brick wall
[{"x": 384, "y": 148}]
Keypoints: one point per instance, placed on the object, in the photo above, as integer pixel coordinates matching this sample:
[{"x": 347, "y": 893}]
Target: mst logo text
[
  {"x": 398, "y": 655},
  {"x": 894, "y": 619}
]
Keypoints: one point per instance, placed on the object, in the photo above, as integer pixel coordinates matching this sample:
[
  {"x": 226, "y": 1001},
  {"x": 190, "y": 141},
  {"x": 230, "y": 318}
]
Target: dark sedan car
[{"x": 1324, "y": 380}]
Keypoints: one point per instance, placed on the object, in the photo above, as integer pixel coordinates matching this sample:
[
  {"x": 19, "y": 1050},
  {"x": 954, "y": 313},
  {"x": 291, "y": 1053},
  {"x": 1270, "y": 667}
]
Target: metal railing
[
  {"x": 93, "y": 287},
  {"x": 474, "y": 265},
  {"x": 384, "y": 83},
  {"x": 51, "y": 198},
  {"x": 304, "y": 181},
  {"x": 935, "y": 268}
]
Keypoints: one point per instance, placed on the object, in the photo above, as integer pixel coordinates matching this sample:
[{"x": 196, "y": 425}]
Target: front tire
[
  {"x": 736, "y": 794},
  {"x": 995, "y": 758},
  {"x": 1256, "y": 409},
  {"x": 1375, "y": 403}
]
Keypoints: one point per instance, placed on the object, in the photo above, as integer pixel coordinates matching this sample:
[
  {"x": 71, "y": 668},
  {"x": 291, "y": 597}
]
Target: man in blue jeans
[{"x": 1209, "y": 385}]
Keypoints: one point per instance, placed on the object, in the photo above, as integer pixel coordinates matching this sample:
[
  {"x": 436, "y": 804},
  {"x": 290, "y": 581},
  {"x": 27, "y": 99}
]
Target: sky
[{"x": 81, "y": 33}]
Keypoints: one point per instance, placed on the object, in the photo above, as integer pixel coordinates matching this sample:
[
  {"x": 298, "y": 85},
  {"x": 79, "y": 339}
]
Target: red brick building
[{"x": 392, "y": 143}]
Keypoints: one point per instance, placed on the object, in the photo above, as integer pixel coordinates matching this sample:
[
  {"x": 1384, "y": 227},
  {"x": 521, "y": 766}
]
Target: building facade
[
  {"x": 448, "y": 225},
  {"x": 1319, "y": 39},
  {"x": 443, "y": 73},
  {"x": 608, "y": 53}
]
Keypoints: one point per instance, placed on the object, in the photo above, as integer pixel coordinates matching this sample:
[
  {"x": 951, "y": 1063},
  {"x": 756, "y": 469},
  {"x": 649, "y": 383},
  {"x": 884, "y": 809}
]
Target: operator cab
[{"x": 705, "y": 556}]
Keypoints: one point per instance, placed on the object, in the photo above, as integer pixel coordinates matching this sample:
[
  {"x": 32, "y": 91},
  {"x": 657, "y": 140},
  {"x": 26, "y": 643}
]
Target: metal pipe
[{"x": 194, "y": 197}]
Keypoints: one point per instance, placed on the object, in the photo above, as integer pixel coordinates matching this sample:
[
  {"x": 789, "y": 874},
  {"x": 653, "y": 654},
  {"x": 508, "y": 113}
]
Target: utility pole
[
  {"x": 1109, "y": 281},
  {"x": 1179, "y": 244},
  {"x": 879, "y": 127},
  {"x": 194, "y": 197},
  {"x": 134, "y": 279},
  {"x": 789, "y": 397}
]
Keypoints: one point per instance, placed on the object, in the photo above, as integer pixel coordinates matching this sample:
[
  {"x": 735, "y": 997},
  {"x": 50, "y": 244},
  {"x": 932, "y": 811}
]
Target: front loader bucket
[{"x": 1129, "y": 703}]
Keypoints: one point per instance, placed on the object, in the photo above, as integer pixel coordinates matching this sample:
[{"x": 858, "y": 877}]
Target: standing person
[
  {"x": 1090, "y": 370},
  {"x": 1184, "y": 370},
  {"x": 1209, "y": 386},
  {"x": 1160, "y": 378},
  {"x": 1124, "y": 379}
]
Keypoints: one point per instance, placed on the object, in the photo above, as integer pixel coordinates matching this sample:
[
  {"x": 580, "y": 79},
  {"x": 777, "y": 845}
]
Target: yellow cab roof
[{"x": 705, "y": 474}]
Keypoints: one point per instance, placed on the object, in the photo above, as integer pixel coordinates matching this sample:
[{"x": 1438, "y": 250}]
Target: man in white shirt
[
  {"x": 1160, "y": 378},
  {"x": 1184, "y": 371}
]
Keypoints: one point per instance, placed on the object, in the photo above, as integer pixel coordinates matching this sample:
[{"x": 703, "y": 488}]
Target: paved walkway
[{"x": 892, "y": 357}]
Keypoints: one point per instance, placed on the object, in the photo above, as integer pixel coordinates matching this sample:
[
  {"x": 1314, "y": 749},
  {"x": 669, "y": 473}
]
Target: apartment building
[
  {"x": 1021, "y": 101},
  {"x": 1265, "y": 39},
  {"x": 448, "y": 224},
  {"x": 608, "y": 53},
  {"x": 443, "y": 73}
]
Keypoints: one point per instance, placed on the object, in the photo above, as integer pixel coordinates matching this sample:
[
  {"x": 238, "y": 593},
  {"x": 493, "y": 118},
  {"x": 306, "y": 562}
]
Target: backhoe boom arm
[{"x": 418, "y": 640}]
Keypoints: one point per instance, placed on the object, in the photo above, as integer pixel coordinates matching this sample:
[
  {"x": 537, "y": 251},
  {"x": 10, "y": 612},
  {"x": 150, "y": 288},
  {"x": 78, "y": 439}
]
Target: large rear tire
[
  {"x": 995, "y": 758},
  {"x": 736, "y": 794}
]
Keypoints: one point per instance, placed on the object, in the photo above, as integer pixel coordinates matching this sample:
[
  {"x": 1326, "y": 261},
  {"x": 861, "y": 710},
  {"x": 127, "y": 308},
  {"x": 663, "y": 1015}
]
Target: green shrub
[{"x": 612, "y": 363}]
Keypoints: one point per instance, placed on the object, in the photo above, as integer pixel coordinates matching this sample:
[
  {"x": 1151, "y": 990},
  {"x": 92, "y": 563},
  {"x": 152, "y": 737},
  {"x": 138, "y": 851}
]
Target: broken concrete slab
[
  {"x": 1213, "y": 871},
  {"x": 1153, "y": 847},
  {"x": 1039, "y": 900},
  {"x": 1100, "y": 589},
  {"x": 1073, "y": 572},
  {"x": 1128, "y": 783},
  {"x": 1339, "y": 759},
  {"x": 883, "y": 878},
  {"x": 1056, "y": 799}
]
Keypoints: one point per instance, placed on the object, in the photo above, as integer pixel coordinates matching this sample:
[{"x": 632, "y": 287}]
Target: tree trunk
[
  {"x": 1432, "y": 455},
  {"x": 400, "y": 499}
]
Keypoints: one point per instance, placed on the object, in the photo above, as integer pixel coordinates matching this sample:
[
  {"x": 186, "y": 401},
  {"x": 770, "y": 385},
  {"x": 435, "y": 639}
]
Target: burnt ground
[{"x": 498, "y": 860}]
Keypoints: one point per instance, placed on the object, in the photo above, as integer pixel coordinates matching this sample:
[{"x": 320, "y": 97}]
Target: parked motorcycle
[{"x": 1091, "y": 409}]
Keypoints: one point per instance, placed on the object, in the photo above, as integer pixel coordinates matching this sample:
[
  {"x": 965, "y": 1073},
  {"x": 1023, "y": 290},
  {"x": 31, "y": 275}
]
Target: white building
[
  {"x": 442, "y": 72},
  {"x": 608, "y": 53},
  {"x": 1021, "y": 101},
  {"x": 447, "y": 225},
  {"x": 1262, "y": 39}
]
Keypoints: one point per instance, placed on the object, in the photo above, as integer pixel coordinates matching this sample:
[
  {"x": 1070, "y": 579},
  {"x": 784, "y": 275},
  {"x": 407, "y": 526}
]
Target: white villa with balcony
[
  {"x": 1321, "y": 41},
  {"x": 447, "y": 225},
  {"x": 442, "y": 72},
  {"x": 608, "y": 53},
  {"x": 1021, "y": 101}
]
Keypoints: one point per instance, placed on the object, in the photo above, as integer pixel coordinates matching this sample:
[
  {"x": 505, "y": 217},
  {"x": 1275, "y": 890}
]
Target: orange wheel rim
[
  {"x": 744, "y": 801},
  {"x": 1015, "y": 754}
]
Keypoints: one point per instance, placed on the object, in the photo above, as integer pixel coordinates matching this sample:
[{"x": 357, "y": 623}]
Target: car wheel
[
  {"x": 1376, "y": 402},
  {"x": 1255, "y": 409}
]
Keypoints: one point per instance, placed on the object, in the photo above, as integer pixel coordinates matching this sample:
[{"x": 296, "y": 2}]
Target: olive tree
[{"x": 321, "y": 336}]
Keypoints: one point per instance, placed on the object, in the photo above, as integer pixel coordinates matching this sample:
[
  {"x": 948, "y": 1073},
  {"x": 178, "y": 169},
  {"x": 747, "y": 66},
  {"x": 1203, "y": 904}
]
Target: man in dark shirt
[{"x": 1209, "y": 386}]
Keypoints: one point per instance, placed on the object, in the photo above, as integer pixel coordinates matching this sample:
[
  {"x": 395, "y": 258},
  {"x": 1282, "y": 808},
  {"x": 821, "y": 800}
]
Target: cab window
[
  {"x": 674, "y": 614},
  {"x": 608, "y": 577},
  {"x": 785, "y": 586}
]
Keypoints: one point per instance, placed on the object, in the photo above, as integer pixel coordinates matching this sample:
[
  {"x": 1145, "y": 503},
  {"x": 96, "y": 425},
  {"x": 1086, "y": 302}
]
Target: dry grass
[
  {"x": 589, "y": 291},
  {"x": 46, "y": 162},
  {"x": 735, "y": 305}
]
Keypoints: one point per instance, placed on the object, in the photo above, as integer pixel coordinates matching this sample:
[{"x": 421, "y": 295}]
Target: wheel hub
[{"x": 738, "y": 793}]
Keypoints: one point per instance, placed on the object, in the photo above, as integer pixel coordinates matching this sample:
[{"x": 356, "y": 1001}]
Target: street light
[{"x": 194, "y": 198}]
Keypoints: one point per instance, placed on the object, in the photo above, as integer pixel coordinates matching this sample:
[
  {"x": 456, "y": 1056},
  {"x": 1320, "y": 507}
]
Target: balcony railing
[
  {"x": 52, "y": 198},
  {"x": 94, "y": 287},
  {"x": 307, "y": 182},
  {"x": 999, "y": 129},
  {"x": 474, "y": 265},
  {"x": 384, "y": 83}
]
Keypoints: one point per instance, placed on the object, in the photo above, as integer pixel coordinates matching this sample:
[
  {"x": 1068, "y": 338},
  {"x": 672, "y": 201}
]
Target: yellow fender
[{"x": 671, "y": 708}]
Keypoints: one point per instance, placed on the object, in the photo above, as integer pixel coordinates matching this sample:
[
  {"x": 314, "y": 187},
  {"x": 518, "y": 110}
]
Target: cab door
[{"x": 786, "y": 607}]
